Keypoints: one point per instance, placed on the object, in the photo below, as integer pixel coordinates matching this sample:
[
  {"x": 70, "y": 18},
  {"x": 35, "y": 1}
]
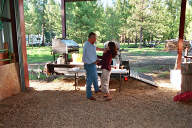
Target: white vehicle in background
[
  {"x": 191, "y": 43},
  {"x": 34, "y": 40}
]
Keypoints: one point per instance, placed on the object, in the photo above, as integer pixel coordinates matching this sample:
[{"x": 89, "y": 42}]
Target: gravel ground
[{"x": 56, "y": 105}]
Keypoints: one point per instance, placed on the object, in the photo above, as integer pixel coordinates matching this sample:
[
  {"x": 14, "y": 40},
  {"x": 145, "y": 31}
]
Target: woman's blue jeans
[{"x": 91, "y": 78}]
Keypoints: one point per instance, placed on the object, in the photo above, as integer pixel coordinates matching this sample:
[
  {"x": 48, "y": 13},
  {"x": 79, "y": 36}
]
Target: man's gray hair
[{"x": 91, "y": 34}]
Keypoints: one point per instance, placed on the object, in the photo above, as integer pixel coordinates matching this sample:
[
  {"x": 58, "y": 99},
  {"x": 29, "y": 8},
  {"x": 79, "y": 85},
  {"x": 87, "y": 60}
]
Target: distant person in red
[{"x": 109, "y": 53}]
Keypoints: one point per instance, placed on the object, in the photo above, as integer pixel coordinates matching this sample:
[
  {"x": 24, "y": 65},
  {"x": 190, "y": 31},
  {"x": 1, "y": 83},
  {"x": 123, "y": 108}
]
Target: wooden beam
[
  {"x": 181, "y": 33},
  {"x": 63, "y": 18},
  {"x": 23, "y": 43}
]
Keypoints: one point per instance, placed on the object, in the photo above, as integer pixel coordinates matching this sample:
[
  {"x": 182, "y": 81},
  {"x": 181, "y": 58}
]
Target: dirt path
[{"x": 55, "y": 105}]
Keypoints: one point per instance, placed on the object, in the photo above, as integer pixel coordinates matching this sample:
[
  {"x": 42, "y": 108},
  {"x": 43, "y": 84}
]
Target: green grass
[
  {"x": 100, "y": 45},
  {"x": 165, "y": 74},
  {"x": 43, "y": 54},
  {"x": 37, "y": 76},
  {"x": 158, "y": 51},
  {"x": 148, "y": 52},
  {"x": 153, "y": 68},
  {"x": 39, "y": 54}
]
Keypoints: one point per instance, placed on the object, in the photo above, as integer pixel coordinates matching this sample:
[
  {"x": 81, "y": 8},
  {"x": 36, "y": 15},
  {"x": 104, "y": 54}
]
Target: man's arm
[{"x": 99, "y": 49}]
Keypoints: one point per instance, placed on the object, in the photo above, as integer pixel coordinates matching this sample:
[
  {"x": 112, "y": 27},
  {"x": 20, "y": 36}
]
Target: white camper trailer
[{"x": 34, "y": 40}]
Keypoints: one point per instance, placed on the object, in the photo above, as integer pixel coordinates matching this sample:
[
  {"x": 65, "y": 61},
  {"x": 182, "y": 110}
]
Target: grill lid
[
  {"x": 70, "y": 43},
  {"x": 62, "y": 46}
]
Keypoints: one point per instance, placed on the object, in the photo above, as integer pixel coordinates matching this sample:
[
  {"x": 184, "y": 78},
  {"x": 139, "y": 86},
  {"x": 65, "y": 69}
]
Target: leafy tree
[
  {"x": 53, "y": 20},
  {"x": 82, "y": 20},
  {"x": 127, "y": 20}
]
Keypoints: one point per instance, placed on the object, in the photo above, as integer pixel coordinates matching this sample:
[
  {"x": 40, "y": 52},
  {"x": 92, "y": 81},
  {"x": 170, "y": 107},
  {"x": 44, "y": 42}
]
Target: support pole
[
  {"x": 181, "y": 34},
  {"x": 23, "y": 42},
  {"x": 63, "y": 18}
]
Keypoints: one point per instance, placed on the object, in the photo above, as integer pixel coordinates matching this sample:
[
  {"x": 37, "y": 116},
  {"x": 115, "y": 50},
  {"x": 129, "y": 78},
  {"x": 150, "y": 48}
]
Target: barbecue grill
[{"x": 64, "y": 47}]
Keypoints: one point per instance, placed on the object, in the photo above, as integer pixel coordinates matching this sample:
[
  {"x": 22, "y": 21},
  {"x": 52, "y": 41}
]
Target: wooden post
[
  {"x": 23, "y": 43},
  {"x": 181, "y": 34},
  {"x": 63, "y": 18}
]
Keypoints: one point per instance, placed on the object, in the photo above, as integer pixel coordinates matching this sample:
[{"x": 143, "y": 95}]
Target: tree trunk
[
  {"x": 124, "y": 39},
  {"x": 82, "y": 42},
  {"x": 186, "y": 70},
  {"x": 39, "y": 40},
  {"x": 150, "y": 38},
  {"x": 128, "y": 41},
  {"x": 43, "y": 36},
  {"x": 141, "y": 29},
  {"x": 144, "y": 43},
  {"x": 141, "y": 37},
  {"x": 121, "y": 39},
  {"x": 103, "y": 41},
  {"x": 63, "y": 18},
  {"x": 43, "y": 40},
  {"x": 32, "y": 42},
  {"x": 28, "y": 39},
  {"x": 136, "y": 39}
]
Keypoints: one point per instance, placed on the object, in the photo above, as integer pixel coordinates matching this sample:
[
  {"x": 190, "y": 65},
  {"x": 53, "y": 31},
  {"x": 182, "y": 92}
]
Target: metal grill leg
[
  {"x": 75, "y": 81},
  {"x": 128, "y": 69},
  {"x": 120, "y": 83}
]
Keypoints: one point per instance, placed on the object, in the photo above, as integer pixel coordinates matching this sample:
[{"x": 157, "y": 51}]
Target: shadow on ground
[{"x": 50, "y": 105}]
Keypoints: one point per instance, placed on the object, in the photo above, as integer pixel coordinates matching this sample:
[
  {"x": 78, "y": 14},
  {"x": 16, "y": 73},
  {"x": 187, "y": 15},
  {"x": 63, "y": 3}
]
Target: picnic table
[{"x": 76, "y": 70}]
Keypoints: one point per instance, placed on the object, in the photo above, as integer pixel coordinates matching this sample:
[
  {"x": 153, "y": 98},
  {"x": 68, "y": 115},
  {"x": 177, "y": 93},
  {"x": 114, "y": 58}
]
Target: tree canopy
[{"x": 137, "y": 21}]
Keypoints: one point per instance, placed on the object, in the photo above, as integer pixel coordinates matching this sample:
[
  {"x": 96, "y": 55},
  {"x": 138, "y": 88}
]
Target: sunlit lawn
[
  {"x": 43, "y": 54},
  {"x": 39, "y": 54},
  {"x": 148, "y": 52}
]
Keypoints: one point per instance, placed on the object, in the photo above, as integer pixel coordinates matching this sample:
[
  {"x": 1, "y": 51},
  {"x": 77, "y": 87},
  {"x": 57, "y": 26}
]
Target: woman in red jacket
[{"x": 109, "y": 53}]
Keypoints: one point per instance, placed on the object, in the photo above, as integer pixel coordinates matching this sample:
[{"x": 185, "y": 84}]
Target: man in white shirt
[{"x": 90, "y": 60}]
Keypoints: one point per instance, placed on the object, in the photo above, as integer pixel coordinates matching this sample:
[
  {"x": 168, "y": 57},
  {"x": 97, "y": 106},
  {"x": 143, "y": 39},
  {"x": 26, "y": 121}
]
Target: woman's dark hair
[{"x": 112, "y": 48}]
